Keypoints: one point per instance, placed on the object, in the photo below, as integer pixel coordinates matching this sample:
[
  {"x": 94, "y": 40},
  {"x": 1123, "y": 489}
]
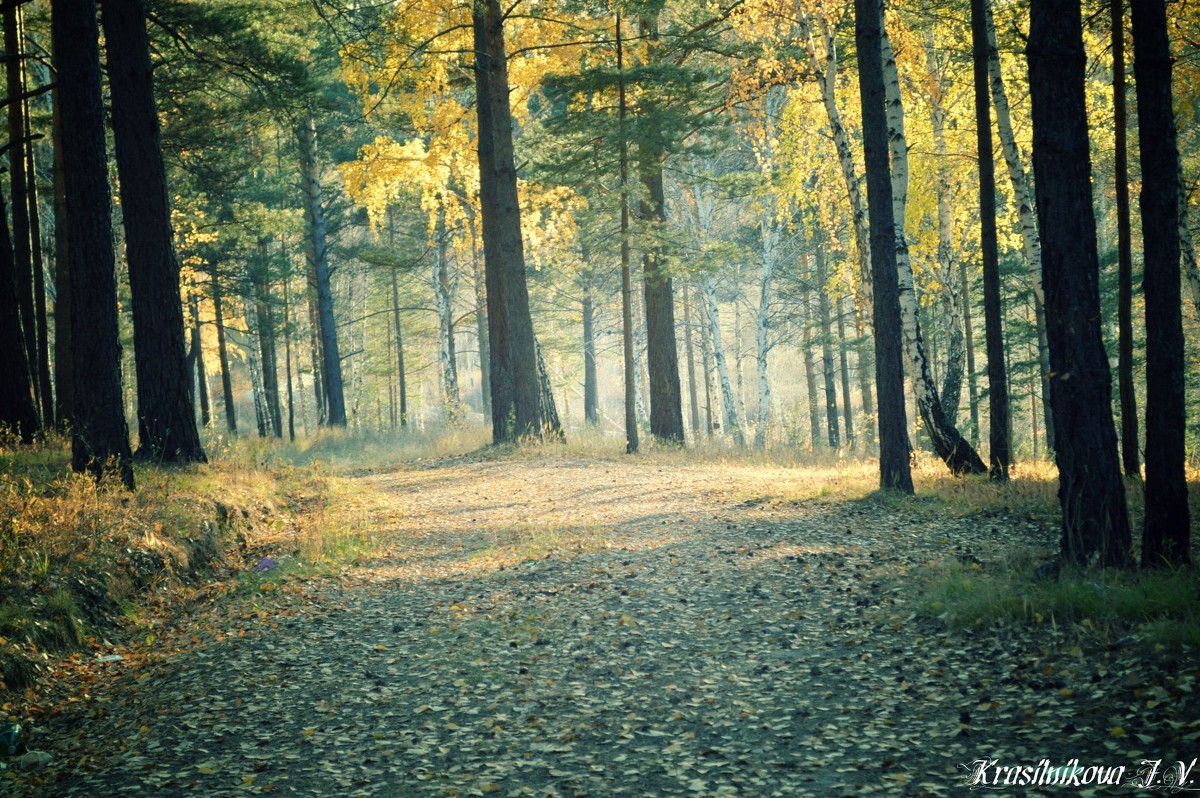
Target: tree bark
[
  {"x": 844, "y": 368},
  {"x": 951, "y": 391},
  {"x": 999, "y": 449},
  {"x": 1166, "y": 534},
  {"x": 317, "y": 251},
  {"x": 1130, "y": 459},
  {"x": 1091, "y": 492},
  {"x": 64, "y": 382},
  {"x": 264, "y": 314},
  {"x": 517, "y": 386},
  {"x": 826, "y": 318},
  {"x": 591, "y": 390},
  {"x": 810, "y": 376},
  {"x": 825, "y": 69},
  {"x": 949, "y": 444},
  {"x": 45, "y": 389},
  {"x": 403, "y": 388},
  {"x": 18, "y": 413},
  {"x": 287, "y": 352},
  {"x": 1026, "y": 212},
  {"x": 769, "y": 234},
  {"x": 894, "y": 469},
  {"x": 166, "y": 418},
  {"x": 100, "y": 437},
  {"x": 732, "y": 427},
  {"x": 662, "y": 352},
  {"x": 223, "y": 356},
  {"x": 630, "y": 365},
  {"x": 969, "y": 345},
  {"x": 19, "y": 206},
  {"x": 693, "y": 397},
  {"x": 444, "y": 286},
  {"x": 197, "y": 359}
]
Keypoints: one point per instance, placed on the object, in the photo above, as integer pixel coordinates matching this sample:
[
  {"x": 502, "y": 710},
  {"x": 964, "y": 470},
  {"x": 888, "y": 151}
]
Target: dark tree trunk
[
  {"x": 1166, "y": 536},
  {"x": 844, "y": 367},
  {"x": 100, "y": 437},
  {"x": 630, "y": 363},
  {"x": 827, "y": 368},
  {"x": 894, "y": 470},
  {"x": 22, "y": 257},
  {"x": 197, "y": 359},
  {"x": 18, "y": 413},
  {"x": 314, "y": 342},
  {"x": 591, "y": 388},
  {"x": 223, "y": 357},
  {"x": 265, "y": 316},
  {"x": 399, "y": 350},
  {"x": 662, "y": 353},
  {"x": 865, "y": 361},
  {"x": 45, "y": 385},
  {"x": 1000, "y": 450},
  {"x": 63, "y": 363},
  {"x": 1130, "y": 460},
  {"x": 287, "y": 354},
  {"x": 317, "y": 250},
  {"x": 1091, "y": 491},
  {"x": 166, "y": 417},
  {"x": 519, "y": 403}
]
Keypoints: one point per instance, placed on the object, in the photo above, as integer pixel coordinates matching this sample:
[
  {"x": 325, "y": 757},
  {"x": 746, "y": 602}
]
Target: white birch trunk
[
  {"x": 950, "y": 445},
  {"x": 708, "y": 288},
  {"x": 825, "y": 68}
]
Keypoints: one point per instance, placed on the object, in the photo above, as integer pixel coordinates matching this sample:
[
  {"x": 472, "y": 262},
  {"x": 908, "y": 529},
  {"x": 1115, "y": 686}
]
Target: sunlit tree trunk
[
  {"x": 444, "y": 285},
  {"x": 951, "y": 390},
  {"x": 894, "y": 468},
  {"x": 100, "y": 437},
  {"x": 732, "y": 427},
  {"x": 689, "y": 350},
  {"x": 1166, "y": 537},
  {"x": 804, "y": 318},
  {"x": 1091, "y": 492},
  {"x": 591, "y": 388},
  {"x": 769, "y": 234},
  {"x": 949, "y": 444},
  {"x": 825, "y": 69}
]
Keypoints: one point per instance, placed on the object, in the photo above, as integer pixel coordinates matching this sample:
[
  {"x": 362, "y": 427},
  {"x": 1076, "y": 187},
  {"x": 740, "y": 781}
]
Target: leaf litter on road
[{"x": 577, "y": 628}]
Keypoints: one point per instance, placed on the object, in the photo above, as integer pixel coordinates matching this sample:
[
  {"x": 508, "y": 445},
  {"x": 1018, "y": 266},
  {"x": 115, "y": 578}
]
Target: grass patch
[{"x": 1160, "y": 608}]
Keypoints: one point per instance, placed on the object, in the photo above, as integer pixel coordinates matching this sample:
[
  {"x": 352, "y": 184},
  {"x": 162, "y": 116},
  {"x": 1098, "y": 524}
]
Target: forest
[{"x": 535, "y": 380}]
